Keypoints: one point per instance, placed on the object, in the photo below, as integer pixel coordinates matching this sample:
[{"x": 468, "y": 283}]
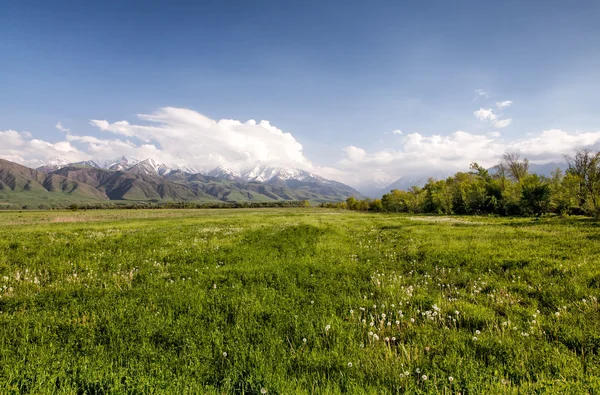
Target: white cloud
[
  {"x": 488, "y": 115},
  {"x": 182, "y": 136},
  {"x": 20, "y": 147},
  {"x": 502, "y": 123},
  {"x": 175, "y": 136},
  {"x": 482, "y": 93},
  {"x": 427, "y": 155},
  {"x": 485, "y": 114},
  {"x": 60, "y": 127},
  {"x": 503, "y": 104},
  {"x": 397, "y": 131}
]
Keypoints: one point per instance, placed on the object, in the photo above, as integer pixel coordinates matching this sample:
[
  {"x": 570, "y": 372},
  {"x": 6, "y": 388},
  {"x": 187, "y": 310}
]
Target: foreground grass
[{"x": 296, "y": 301}]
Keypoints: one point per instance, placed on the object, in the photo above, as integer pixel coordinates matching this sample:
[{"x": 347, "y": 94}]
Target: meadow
[{"x": 297, "y": 301}]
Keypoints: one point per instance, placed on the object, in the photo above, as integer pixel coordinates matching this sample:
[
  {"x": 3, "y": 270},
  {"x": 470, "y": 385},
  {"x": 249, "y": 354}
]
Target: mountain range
[{"x": 130, "y": 180}]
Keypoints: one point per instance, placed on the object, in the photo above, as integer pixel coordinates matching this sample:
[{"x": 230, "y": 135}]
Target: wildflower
[
  {"x": 475, "y": 338},
  {"x": 327, "y": 328},
  {"x": 214, "y": 286},
  {"x": 397, "y": 322},
  {"x": 312, "y": 302},
  {"x": 389, "y": 324},
  {"x": 478, "y": 332},
  {"x": 401, "y": 376},
  {"x": 351, "y": 311},
  {"x": 412, "y": 320},
  {"x": 456, "y": 312},
  {"x": 383, "y": 316},
  {"x": 349, "y": 364},
  {"x": 418, "y": 370},
  {"x": 427, "y": 348},
  {"x": 557, "y": 313},
  {"x": 375, "y": 337},
  {"x": 424, "y": 377},
  {"x": 225, "y": 354},
  {"x": 393, "y": 339},
  {"x": 387, "y": 339},
  {"x": 303, "y": 340},
  {"x": 372, "y": 324},
  {"x": 374, "y": 306},
  {"x": 450, "y": 379},
  {"x": 263, "y": 390},
  {"x": 407, "y": 373}
]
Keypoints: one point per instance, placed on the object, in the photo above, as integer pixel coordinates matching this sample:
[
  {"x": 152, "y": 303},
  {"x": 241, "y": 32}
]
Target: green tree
[{"x": 535, "y": 195}]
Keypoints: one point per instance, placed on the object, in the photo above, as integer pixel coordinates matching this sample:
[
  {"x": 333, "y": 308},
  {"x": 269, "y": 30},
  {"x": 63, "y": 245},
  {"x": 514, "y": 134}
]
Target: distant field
[{"x": 297, "y": 301}]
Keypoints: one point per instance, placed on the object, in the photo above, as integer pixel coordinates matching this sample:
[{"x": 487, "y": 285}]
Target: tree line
[{"x": 508, "y": 188}]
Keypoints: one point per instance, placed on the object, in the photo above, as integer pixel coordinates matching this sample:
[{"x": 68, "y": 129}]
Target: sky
[{"x": 356, "y": 91}]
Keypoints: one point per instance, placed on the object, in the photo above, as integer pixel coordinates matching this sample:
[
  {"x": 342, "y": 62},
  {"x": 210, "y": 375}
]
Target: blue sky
[{"x": 334, "y": 74}]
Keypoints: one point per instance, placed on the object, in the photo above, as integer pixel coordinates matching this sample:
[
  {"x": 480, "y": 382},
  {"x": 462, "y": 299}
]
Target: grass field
[{"x": 288, "y": 301}]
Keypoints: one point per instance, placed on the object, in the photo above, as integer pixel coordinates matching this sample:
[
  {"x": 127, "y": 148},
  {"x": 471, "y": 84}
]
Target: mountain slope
[
  {"x": 22, "y": 185},
  {"x": 120, "y": 185},
  {"x": 148, "y": 180}
]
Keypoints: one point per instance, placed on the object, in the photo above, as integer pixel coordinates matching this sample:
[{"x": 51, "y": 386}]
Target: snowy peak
[
  {"x": 149, "y": 167},
  {"x": 58, "y": 163},
  {"x": 118, "y": 164},
  {"x": 225, "y": 173}
]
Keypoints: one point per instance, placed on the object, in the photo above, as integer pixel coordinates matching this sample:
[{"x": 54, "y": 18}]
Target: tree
[
  {"x": 585, "y": 167},
  {"x": 535, "y": 195},
  {"x": 515, "y": 167}
]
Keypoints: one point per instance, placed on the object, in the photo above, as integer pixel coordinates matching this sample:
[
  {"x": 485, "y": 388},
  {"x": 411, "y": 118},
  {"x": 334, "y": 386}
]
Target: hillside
[
  {"x": 27, "y": 187},
  {"x": 149, "y": 181}
]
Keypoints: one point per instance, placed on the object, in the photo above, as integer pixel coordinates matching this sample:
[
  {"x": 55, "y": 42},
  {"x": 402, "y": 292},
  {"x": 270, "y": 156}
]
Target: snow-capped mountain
[
  {"x": 225, "y": 173},
  {"x": 119, "y": 164},
  {"x": 149, "y": 167},
  {"x": 242, "y": 172},
  {"x": 53, "y": 164}
]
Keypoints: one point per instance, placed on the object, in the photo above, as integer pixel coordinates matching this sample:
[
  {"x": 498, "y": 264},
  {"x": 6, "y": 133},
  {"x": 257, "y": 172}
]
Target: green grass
[{"x": 135, "y": 301}]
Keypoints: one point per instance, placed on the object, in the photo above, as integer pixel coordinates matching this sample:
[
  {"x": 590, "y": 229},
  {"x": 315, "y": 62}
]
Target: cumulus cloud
[
  {"x": 490, "y": 116},
  {"x": 503, "y": 104},
  {"x": 485, "y": 114},
  {"x": 397, "y": 131},
  {"x": 175, "y": 136},
  {"x": 427, "y": 155},
  {"x": 20, "y": 147},
  {"x": 184, "y": 137}
]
